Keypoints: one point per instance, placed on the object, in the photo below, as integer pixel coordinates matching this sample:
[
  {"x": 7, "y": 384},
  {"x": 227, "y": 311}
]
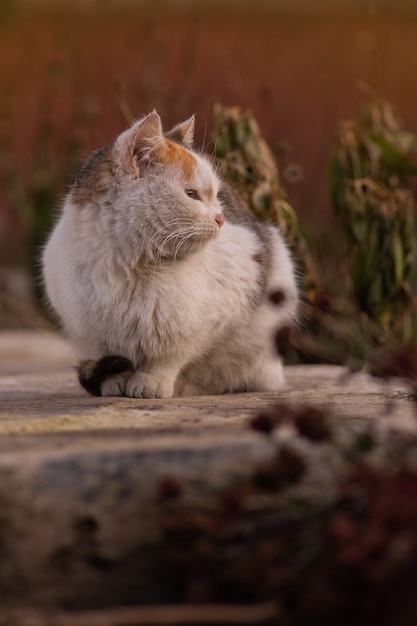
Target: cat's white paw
[
  {"x": 143, "y": 385},
  {"x": 267, "y": 376},
  {"x": 184, "y": 387}
]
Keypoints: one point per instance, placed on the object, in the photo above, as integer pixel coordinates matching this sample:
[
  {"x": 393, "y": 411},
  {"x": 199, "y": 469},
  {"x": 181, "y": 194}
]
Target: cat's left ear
[
  {"x": 138, "y": 142},
  {"x": 183, "y": 133}
]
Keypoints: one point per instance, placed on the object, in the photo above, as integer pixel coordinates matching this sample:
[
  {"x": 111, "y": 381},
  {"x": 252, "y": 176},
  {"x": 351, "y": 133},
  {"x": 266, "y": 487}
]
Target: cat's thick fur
[{"x": 154, "y": 262}]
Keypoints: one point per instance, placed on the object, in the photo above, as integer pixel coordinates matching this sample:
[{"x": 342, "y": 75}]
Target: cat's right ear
[
  {"x": 183, "y": 133},
  {"x": 137, "y": 143}
]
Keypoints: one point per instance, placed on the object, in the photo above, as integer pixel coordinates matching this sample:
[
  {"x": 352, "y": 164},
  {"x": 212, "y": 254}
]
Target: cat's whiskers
[
  {"x": 174, "y": 235},
  {"x": 167, "y": 226},
  {"x": 179, "y": 234},
  {"x": 178, "y": 221},
  {"x": 184, "y": 230},
  {"x": 181, "y": 243}
]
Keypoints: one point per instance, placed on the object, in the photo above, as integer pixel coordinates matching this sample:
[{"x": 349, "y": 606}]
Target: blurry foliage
[
  {"x": 36, "y": 199},
  {"x": 370, "y": 304},
  {"x": 35, "y": 203},
  {"x": 352, "y": 549},
  {"x": 373, "y": 183},
  {"x": 247, "y": 162}
]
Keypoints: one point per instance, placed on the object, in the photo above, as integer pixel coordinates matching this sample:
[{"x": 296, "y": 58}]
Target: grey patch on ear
[
  {"x": 92, "y": 373},
  {"x": 183, "y": 133}
]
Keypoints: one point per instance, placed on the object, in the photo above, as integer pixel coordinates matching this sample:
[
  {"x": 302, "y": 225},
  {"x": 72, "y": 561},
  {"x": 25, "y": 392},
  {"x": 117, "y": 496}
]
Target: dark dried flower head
[
  {"x": 169, "y": 487},
  {"x": 263, "y": 423},
  {"x": 265, "y": 478},
  {"x": 230, "y": 503},
  {"x": 312, "y": 423},
  {"x": 364, "y": 443},
  {"x": 266, "y": 421},
  {"x": 285, "y": 469},
  {"x": 290, "y": 465}
]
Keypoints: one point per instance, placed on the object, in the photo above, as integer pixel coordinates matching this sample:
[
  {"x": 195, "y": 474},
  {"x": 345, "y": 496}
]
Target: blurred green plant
[
  {"x": 34, "y": 204},
  {"x": 373, "y": 188},
  {"x": 247, "y": 162},
  {"x": 372, "y": 184},
  {"x": 35, "y": 201}
]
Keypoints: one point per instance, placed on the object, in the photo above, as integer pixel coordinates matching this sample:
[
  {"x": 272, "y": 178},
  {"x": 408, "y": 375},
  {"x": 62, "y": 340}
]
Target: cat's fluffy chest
[{"x": 150, "y": 307}]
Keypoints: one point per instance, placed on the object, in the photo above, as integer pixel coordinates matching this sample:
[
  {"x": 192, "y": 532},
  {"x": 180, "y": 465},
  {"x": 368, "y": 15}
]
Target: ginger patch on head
[
  {"x": 95, "y": 177},
  {"x": 171, "y": 153}
]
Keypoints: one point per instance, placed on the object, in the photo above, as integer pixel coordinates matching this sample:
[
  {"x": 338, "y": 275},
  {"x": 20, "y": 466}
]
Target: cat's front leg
[
  {"x": 150, "y": 385},
  {"x": 115, "y": 376}
]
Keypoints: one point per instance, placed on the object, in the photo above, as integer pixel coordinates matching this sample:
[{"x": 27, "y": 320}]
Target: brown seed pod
[{"x": 312, "y": 423}]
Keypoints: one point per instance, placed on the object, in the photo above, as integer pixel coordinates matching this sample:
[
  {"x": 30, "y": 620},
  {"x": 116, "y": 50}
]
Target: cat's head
[{"x": 152, "y": 195}]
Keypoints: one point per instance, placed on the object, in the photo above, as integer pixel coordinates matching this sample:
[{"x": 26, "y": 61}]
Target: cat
[{"x": 160, "y": 276}]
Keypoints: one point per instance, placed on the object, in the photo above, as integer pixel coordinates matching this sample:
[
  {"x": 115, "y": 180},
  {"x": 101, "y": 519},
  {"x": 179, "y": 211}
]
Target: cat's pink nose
[{"x": 219, "y": 218}]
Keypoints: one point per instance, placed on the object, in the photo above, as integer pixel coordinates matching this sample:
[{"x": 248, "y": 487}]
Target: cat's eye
[{"x": 192, "y": 193}]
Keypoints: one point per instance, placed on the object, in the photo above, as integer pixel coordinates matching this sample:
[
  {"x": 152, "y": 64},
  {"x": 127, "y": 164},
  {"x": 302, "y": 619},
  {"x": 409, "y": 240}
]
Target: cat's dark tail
[{"x": 92, "y": 374}]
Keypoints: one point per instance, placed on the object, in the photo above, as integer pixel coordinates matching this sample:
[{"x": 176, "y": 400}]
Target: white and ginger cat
[{"x": 161, "y": 277}]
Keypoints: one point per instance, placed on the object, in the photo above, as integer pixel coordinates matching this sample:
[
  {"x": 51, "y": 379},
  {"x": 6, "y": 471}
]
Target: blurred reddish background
[{"x": 70, "y": 81}]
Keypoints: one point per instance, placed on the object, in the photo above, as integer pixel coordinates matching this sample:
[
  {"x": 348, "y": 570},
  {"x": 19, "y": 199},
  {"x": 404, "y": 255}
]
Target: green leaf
[
  {"x": 372, "y": 249},
  {"x": 406, "y": 141},
  {"x": 336, "y": 183},
  {"x": 359, "y": 229},
  {"x": 398, "y": 255},
  {"x": 392, "y": 156},
  {"x": 375, "y": 292}
]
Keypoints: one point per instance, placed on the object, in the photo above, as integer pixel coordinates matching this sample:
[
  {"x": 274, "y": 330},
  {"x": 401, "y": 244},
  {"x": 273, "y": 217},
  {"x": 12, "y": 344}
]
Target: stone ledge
[{"x": 79, "y": 508}]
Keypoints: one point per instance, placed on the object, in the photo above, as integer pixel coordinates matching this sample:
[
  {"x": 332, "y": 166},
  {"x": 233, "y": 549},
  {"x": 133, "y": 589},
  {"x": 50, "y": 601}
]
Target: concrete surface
[{"x": 78, "y": 474}]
